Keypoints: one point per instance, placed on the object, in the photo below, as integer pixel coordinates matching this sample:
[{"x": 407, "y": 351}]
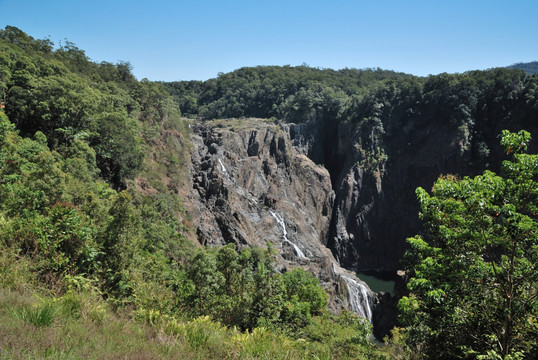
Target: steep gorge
[
  {"x": 376, "y": 165},
  {"x": 333, "y": 182},
  {"x": 253, "y": 188},
  {"x": 329, "y": 186},
  {"x": 322, "y": 201}
]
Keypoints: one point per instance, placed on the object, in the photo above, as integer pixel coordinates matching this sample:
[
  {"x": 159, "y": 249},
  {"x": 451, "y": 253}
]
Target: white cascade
[
  {"x": 223, "y": 168},
  {"x": 240, "y": 190},
  {"x": 359, "y": 299},
  {"x": 280, "y": 221}
]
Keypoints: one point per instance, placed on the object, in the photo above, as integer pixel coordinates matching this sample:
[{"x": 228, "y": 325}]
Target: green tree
[
  {"x": 474, "y": 282},
  {"x": 119, "y": 242},
  {"x": 118, "y": 147},
  {"x": 208, "y": 281}
]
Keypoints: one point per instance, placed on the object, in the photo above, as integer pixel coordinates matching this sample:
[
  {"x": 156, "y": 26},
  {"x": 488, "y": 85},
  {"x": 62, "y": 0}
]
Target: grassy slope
[
  {"x": 84, "y": 328},
  {"x": 37, "y": 322}
]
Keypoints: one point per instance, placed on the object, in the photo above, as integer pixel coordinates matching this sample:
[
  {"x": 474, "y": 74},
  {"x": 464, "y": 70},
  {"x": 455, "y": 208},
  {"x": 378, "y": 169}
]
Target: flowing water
[
  {"x": 280, "y": 221},
  {"x": 359, "y": 298},
  {"x": 223, "y": 168}
]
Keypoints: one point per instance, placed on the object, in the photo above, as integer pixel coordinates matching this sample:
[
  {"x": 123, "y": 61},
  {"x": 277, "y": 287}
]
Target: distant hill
[{"x": 529, "y": 68}]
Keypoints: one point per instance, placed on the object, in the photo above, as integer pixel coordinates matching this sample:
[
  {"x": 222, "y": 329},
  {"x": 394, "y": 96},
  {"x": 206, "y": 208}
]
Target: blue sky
[{"x": 195, "y": 40}]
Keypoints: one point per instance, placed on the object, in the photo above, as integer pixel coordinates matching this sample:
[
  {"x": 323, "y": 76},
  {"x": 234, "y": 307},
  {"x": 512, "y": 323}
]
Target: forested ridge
[
  {"x": 382, "y": 104},
  {"x": 91, "y": 163},
  {"x": 530, "y": 67},
  {"x": 95, "y": 241}
]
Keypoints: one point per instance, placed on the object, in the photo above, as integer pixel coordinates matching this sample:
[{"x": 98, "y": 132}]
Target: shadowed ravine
[
  {"x": 253, "y": 187},
  {"x": 323, "y": 205}
]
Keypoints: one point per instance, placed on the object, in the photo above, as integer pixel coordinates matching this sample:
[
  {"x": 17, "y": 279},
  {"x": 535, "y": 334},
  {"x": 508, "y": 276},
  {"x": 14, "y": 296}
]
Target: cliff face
[
  {"x": 375, "y": 208},
  {"x": 375, "y": 169},
  {"x": 359, "y": 181},
  {"x": 327, "y": 196},
  {"x": 253, "y": 188},
  {"x": 378, "y": 134}
]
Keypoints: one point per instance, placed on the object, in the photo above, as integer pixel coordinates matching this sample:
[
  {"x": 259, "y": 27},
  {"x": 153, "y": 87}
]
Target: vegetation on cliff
[
  {"x": 91, "y": 162},
  {"x": 383, "y": 103},
  {"x": 94, "y": 239}
]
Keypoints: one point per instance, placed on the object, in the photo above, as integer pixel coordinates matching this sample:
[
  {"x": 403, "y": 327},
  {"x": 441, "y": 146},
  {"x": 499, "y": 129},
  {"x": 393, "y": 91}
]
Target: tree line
[{"x": 84, "y": 149}]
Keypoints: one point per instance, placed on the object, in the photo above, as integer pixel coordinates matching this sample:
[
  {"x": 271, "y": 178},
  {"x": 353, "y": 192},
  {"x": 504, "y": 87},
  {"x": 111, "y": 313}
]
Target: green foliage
[
  {"x": 395, "y": 346},
  {"x": 91, "y": 162},
  {"x": 15, "y": 272},
  {"x": 327, "y": 337},
  {"x": 515, "y": 143},
  {"x": 117, "y": 147},
  {"x": 60, "y": 203},
  {"x": 239, "y": 289},
  {"x": 304, "y": 296},
  {"x": 295, "y": 93},
  {"x": 473, "y": 284},
  {"x": 58, "y": 237},
  {"x": 67, "y": 97},
  {"x": 344, "y": 336},
  {"x": 43, "y": 315}
]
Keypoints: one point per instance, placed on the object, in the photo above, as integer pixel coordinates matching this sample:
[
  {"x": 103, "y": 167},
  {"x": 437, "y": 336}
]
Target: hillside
[
  {"x": 92, "y": 227},
  {"x": 529, "y": 68},
  {"x": 244, "y": 207}
]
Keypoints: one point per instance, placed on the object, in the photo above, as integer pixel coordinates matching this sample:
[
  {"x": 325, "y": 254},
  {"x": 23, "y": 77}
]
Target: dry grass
[
  {"x": 119, "y": 337},
  {"x": 84, "y": 327}
]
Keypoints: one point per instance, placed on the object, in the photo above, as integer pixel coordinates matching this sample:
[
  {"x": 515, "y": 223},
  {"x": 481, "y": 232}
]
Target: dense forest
[
  {"x": 98, "y": 258},
  {"x": 381, "y": 103},
  {"x": 530, "y": 67}
]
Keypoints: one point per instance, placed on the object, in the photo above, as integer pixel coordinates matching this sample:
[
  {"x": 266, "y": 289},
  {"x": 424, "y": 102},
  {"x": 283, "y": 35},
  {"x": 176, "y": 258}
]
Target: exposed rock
[
  {"x": 374, "y": 177},
  {"x": 385, "y": 311},
  {"x": 307, "y": 188},
  {"x": 252, "y": 187}
]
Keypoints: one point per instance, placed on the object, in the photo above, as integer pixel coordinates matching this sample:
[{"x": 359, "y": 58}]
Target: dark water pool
[{"x": 378, "y": 282}]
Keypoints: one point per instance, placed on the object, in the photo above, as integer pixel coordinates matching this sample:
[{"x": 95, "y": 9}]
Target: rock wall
[
  {"x": 325, "y": 195},
  {"x": 253, "y": 188},
  {"x": 374, "y": 177}
]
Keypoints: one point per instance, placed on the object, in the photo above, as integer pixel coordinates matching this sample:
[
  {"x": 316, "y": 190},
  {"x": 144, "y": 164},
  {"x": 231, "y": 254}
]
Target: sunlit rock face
[
  {"x": 325, "y": 195},
  {"x": 253, "y": 187}
]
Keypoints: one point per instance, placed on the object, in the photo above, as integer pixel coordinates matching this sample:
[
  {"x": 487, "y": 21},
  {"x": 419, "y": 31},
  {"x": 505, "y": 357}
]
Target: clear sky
[{"x": 195, "y": 40}]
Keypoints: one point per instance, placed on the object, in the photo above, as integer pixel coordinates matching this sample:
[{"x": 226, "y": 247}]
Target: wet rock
[{"x": 385, "y": 311}]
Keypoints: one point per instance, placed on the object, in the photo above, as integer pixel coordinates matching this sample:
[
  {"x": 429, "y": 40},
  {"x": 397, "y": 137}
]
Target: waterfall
[
  {"x": 224, "y": 169},
  {"x": 298, "y": 251},
  {"x": 359, "y": 299},
  {"x": 238, "y": 187},
  {"x": 280, "y": 221}
]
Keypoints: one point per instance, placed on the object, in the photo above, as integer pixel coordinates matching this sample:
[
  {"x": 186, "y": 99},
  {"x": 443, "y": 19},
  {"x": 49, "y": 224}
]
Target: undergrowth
[{"x": 81, "y": 325}]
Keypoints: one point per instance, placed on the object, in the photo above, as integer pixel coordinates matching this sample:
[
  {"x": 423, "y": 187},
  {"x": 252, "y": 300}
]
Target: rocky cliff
[
  {"x": 334, "y": 181},
  {"x": 375, "y": 169},
  {"x": 253, "y": 188},
  {"x": 326, "y": 196}
]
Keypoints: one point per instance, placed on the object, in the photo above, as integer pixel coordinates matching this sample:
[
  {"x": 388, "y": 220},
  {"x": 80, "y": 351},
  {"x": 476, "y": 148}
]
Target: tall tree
[{"x": 474, "y": 281}]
